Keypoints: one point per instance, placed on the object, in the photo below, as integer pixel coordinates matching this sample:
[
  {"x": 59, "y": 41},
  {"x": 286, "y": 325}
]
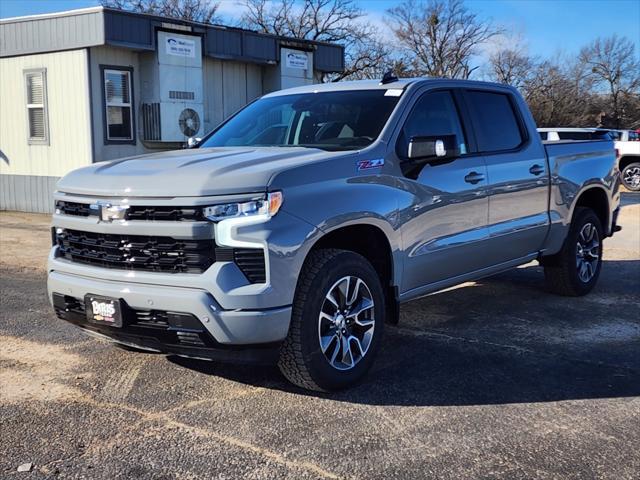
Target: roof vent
[{"x": 388, "y": 77}]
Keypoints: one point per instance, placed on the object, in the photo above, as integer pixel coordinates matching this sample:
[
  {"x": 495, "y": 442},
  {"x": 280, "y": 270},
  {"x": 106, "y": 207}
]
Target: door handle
[
  {"x": 536, "y": 169},
  {"x": 474, "y": 177}
]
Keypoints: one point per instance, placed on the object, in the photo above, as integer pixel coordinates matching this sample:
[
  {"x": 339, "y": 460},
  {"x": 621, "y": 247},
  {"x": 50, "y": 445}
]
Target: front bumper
[
  {"x": 223, "y": 331},
  {"x": 232, "y": 310}
]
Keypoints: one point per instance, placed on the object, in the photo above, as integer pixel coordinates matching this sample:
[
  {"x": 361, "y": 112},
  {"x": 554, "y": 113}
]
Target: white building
[{"x": 97, "y": 84}]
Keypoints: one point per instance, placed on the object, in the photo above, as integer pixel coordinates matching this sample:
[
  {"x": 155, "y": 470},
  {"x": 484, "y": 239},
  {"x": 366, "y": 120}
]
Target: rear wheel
[
  {"x": 336, "y": 323},
  {"x": 574, "y": 271},
  {"x": 631, "y": 177}
]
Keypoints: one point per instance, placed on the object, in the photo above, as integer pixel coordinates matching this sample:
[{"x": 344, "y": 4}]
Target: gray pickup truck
[{"x": 294, "y": 230}]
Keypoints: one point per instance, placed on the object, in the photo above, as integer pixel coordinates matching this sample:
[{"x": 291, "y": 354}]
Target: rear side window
[{"x": 494, "y": 120}]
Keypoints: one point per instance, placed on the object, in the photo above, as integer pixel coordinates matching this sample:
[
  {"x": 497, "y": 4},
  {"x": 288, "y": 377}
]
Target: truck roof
[{"x": 399, "y": 84}]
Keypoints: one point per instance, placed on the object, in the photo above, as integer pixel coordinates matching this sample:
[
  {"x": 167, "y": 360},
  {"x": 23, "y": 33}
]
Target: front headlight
[{"x": 268, "y": 206}]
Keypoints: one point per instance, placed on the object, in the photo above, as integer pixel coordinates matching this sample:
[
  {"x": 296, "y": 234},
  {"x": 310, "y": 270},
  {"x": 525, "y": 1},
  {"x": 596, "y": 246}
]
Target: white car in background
[
  {"x": 626, "y": 143},
  {"x": 557, "y": 134}
]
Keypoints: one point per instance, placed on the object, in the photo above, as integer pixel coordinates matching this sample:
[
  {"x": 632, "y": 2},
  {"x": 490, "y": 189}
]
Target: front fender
[{"x": 334, "y": 204}]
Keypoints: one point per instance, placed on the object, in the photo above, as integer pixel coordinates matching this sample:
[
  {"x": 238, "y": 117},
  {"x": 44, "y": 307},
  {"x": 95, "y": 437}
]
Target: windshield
[{"x": 345, "y": 120}]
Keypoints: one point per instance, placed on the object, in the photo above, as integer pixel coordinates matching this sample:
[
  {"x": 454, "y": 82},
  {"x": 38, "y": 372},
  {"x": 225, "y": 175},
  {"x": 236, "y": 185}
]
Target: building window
[
  {"x": 36, "y": 84},
  {"x": 118, "y": 105}
]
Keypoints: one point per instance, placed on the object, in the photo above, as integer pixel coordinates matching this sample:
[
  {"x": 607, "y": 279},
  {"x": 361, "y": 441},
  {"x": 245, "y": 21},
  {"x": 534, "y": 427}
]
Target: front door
[{"x": 445, "y": 208}]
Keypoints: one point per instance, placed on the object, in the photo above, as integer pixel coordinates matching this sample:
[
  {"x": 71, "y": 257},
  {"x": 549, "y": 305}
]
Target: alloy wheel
[
  {"x": 632, "y": 177},
  {"x": 346, "y": 322},
  {"x": 587, "y": 252}
]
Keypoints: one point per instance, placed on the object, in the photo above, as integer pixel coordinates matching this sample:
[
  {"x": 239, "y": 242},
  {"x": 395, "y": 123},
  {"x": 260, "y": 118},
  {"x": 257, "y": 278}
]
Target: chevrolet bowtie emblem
[{"x": 108, "y": 212}]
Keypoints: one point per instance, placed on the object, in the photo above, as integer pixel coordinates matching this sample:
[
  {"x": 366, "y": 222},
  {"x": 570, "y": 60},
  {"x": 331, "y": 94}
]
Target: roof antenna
[{"x": 388, "y": 77}]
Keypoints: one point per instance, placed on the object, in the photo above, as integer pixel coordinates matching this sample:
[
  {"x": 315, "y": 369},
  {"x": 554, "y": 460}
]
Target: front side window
[
  {"x": 433, "y": 114},
  {"x": 494, "y": 121},
  {"x": 341, "y": 120},
  {"x": 118, "y": 106},
  {"x": 36, "y": 85}
]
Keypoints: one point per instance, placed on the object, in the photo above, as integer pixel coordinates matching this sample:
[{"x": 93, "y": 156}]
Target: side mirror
[
  {"x": 437, "y": 147},
  {"x": 192, "y": 142}
]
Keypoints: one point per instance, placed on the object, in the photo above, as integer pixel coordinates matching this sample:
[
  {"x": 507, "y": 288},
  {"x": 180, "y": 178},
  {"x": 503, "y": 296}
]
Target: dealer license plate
[{"x": 103, "y": 310}]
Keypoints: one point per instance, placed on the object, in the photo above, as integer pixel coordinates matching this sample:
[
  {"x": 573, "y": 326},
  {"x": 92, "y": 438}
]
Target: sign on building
[
  {"x": 180, "y": 47},
  {"x": 297, "y": 60}
]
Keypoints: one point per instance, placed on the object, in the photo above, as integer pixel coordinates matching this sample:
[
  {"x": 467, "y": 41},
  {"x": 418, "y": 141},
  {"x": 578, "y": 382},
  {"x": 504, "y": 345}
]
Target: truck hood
[{"x": 189, "y": 173}]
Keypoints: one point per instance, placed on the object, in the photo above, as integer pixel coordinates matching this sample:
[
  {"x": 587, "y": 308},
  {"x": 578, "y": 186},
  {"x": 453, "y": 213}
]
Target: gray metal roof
[{"x": 103, "y": 26}]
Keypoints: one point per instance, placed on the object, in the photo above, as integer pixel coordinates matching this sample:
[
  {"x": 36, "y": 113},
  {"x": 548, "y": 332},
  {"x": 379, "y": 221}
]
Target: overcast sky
[{"x": 547, "y": 27}]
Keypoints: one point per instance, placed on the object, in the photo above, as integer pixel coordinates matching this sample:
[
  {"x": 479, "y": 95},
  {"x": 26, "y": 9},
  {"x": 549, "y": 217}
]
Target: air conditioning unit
[{"x": 172, "y": 98}]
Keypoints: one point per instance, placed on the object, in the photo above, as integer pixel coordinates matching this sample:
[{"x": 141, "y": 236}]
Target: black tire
[
  {"x": 302, "y": 361},
  {"x": 561, "y": 271},
  {"x": 631, "y": 177}
]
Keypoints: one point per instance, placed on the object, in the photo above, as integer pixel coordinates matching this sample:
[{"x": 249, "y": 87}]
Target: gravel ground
[{"x": 493, "y": 379}]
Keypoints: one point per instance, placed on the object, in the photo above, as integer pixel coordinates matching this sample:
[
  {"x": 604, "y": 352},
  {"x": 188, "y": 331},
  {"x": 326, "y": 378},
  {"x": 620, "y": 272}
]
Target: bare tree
[
  {"x": 612, "y": 64},
  {"x": 203, "y": 11},
  {"x": 336, "y": 21},
  {"x": 511, "y": 66},
  {"x": 557, "y": 98},
  {"x": 439, "y": 37}
]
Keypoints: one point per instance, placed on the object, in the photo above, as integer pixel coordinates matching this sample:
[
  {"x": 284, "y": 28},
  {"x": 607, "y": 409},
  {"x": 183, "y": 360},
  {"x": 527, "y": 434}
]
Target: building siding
[
  {"x": 68, "y": 115},
  {"x": 47, "y": 34},
  {"x": 113, "y": 57},
  {"x": 27, "y": 193},
  {"x": 229, "y": 86}
]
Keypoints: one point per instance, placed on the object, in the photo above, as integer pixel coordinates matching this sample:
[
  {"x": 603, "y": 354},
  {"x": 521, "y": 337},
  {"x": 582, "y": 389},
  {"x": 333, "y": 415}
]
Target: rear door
[{"x": 518, "y": 175}]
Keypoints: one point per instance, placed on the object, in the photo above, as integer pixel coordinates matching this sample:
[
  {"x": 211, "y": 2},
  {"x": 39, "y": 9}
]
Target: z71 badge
[{"x": 367, "y": 164}]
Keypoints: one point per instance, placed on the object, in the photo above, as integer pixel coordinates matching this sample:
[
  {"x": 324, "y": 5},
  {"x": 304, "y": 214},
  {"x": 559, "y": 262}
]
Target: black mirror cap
[{"x": 435, "y": 147}]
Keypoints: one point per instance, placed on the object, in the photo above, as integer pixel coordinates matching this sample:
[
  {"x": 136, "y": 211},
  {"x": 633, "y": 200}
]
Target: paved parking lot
[{"x": 495, "y": 379}]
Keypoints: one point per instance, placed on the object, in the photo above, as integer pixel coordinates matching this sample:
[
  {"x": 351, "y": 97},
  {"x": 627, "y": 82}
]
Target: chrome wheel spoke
[
  {"x": 364, "y": 305},
  {"x": 326, "y": 317},
  {"x": 327, "y": 340},
  {"x": 594, "y": 250},
  {"x": 365, "y": 323},
  {"x": 357, "y": 342},
  {"x": 354, "y": 294},
  {"x": 336, "y": 350},
  {"x": 347, "y": 356},
  {"x": 333, "y": 300},
  {"x": 343, "y": 289},
  {"x": 582, "y": 273}
]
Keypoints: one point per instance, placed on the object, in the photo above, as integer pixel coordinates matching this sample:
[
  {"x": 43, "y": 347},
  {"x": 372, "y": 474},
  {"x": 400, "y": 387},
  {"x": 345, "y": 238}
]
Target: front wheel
[
  {"x": 336, "y": 324},
  {"x": 574, "y": 271},
  {"x": 631, "y": 177}
]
